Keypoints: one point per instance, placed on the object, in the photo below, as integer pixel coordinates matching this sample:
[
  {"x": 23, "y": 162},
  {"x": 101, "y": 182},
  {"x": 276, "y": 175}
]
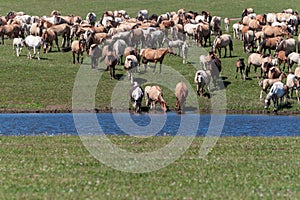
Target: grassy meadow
[
  {"x": 236, "y": 168},
  {"x": 47, "y": 85},
  {"x": 60, "y": 167}
]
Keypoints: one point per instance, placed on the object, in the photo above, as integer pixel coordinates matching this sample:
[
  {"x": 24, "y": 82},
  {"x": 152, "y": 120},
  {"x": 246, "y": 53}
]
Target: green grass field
[
  {"x": 237, "y": 168},
  {"x": 47, "y": 85},
  {"x": 60, "y": 167}
]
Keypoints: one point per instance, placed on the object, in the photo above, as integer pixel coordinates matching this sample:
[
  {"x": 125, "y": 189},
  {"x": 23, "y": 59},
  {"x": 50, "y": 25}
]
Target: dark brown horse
[{"x": 153, "y": 55}]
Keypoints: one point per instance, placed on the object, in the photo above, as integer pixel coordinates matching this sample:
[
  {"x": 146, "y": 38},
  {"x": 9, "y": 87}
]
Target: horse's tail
[{"x": 230, "y": 45}]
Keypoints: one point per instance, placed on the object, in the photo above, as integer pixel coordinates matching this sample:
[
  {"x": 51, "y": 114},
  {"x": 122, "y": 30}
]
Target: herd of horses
[{"x": 148, "y": 39}]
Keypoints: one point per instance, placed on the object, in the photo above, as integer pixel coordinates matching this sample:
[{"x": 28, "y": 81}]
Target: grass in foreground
[{"x": 236, "y": 168}]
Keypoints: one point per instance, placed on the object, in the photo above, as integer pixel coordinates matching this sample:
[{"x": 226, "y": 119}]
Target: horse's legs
[
  {"x": 34, "y": 51},
  {"x": 225, "y": 52},
  {"x": 81, "y": 54},
  {"x": 56, "y": 42},
  {"x": 73, "y": 57},
  {"x": 38, "y": 53},
  {"x": 63, "y": 42}
]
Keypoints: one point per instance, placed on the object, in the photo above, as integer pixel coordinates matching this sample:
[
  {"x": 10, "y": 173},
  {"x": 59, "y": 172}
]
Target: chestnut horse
[{"x": 153, "y": 55}]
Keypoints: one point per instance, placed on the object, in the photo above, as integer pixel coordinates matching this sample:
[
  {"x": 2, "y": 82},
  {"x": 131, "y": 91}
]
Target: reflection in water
[{"x": 148, "y": 125}]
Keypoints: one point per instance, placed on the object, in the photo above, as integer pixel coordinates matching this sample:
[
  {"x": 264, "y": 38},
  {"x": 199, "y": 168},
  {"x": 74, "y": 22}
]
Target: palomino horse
[
  {"x": 153, "y": 55},
  {"x": 49, "y": 36},
  {"x": 154, "y": 95},
  {"x": 78, "y": 47},
  {"x": 181, "y": 93},
  {"x": 222, "y": 41},
  {"x": 258, "y": 60}
]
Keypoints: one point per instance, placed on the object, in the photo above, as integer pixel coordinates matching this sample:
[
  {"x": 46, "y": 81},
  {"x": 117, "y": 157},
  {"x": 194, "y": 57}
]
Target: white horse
[
  {"x": 288, "y": 45},
  {"x": 119, "y": 47},
  {"x": 227, "y": 23},
  {"x": 174, "y": 44},
  {"x": 142, "y": 15},
  {"x": 34, "y": 42},
  {"x": 154, "y": 38},
  {"x": 202, "y": 79},
  {"x": 136, "y": 95},
  {"x": 185, "y": 49},
  {"x": 277, "y": 91},
  {"x": 91, "y": 18},
  {"x": 18, "y": 44},
  {"x": 292, "y": 59},
  {"x": 131, "y": 64}
]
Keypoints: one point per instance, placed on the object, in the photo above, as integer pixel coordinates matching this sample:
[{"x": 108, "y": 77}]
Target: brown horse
[
  {"x": 78, "y": 47},
  {"x": 49, "y": 36},
  {"x": 63, "y": 30},
  {"x": 153, "y": 55},
  {"x": 270, "y": 44},
  {"x": 11, "y": 30}
]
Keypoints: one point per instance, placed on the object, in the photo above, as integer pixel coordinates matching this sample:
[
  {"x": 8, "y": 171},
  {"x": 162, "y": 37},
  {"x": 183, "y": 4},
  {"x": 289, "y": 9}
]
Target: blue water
[{"x": 149, "y": 124}]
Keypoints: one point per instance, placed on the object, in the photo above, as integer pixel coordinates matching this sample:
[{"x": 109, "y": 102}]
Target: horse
[
  {"x": 240, "y": 66},
  {"x": 227, "y": 23},
  {"x": 131, "y": 64},
  {"x": 270, "y": 44},
  {"x": 49, "y": 36},
  {"x": 95, "y": 53},
  {"x": 202, "y": 79},
  {"x": 154, "y": 38},
  {"x": 292, "y": 59},
  {"x": 11, "y": 30},
  {"x": 142, "y": 15},
  {"x": 281, "y": 57},
  {"x": 110, "y": 59},
  {"x": 34, "y": 42},
  {"x": 137, "y": 37},
  {"x": 63, "y": 30},
  {"x": 258, "y": 60},
  {"x": 78, "y": 47},
  {"x": 154, "y": 95},
  {"x": 277, "y": 91},
  {"x": 214, "y": 65},
  {"x": 215, "y": 25},
  {"x": 18, "y": 44},
  {"x": 223, "y": 41},
  {"x": 292, "y": 82},
  {"x": 249, "y": 41},
  {"x": 91, "y": 18},
  {"x": 136, "y": 94},
  {"x": 203, "y": 32},
  {"x": 181, "y": 93},
  {"x": 174, "y": 44},
  {"x": 153, "y": 55},
  {"x": 288, "y": 45},
  {"x": 119, "y": 46}
]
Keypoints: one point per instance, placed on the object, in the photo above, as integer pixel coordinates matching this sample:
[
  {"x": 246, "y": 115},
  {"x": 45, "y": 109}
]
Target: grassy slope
[
  {"x": 48, "y": 84},
  {"x": 237, "y": 168}
]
